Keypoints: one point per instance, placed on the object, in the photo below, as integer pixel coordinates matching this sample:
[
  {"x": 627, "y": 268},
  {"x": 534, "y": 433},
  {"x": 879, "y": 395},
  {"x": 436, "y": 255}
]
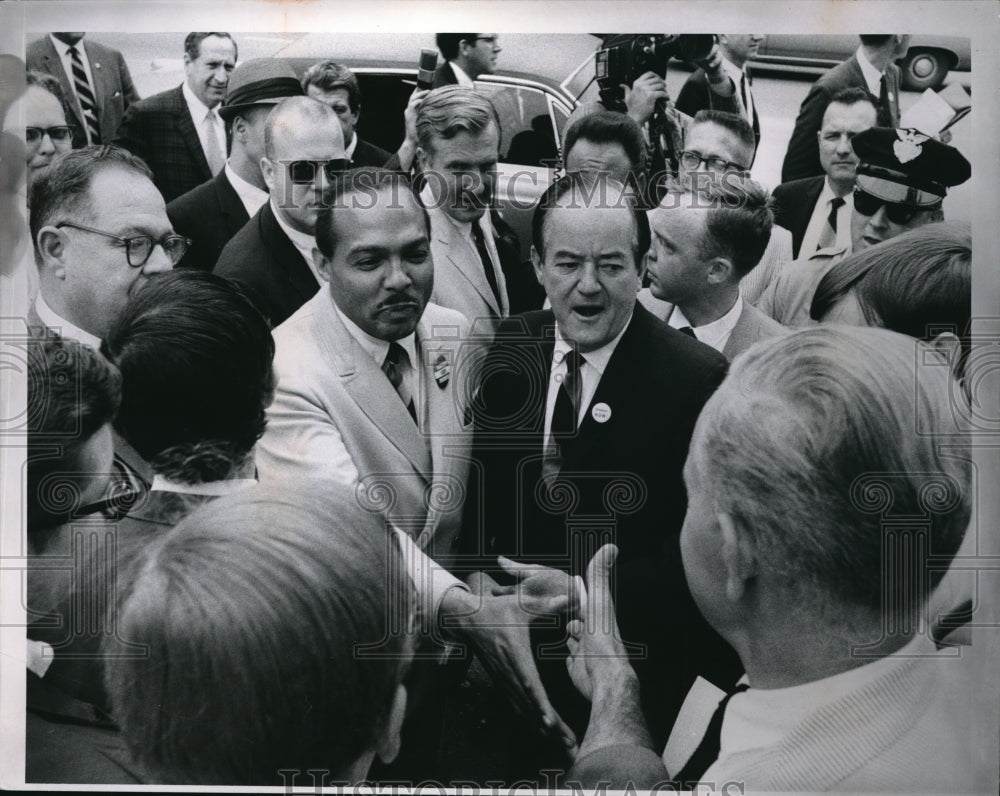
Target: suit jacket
[
  {"x": 334, "y": 404},
  {"x": 697, "y": 95},
  {"x": 160, "y": 130},
  {"x": 444, "y": 75},
  {"x": 794, "y": 203},
  {"x": 113, "y": 88},
  {"x": 788, "y": 299},
  {"x": 802, "y": 157},
  {"x": 459, "y": 279},
  {"x": 210, "y": 215},
  {"x": 366, "y": 154},
  {"x": 620, "y": 480},
  {"x": 265, "y": 264}
]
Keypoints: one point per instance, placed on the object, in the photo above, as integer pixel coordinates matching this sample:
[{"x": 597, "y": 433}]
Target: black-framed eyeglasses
[
  {"x": 868, "y": 204},
  {"x": 303, "y": 172},
  {"x": 692, "y": 160},
  {"x": 138, "y": 248},
  {"x": 59, "y": 133}
]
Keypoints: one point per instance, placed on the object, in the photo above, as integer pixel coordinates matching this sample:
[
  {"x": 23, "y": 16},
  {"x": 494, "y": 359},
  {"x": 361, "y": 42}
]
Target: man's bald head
[{"x": 296, "y": 118}]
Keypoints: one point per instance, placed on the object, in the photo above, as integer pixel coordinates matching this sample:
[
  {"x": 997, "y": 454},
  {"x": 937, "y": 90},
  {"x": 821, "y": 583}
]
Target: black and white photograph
[{"x": 392, "y": 408}]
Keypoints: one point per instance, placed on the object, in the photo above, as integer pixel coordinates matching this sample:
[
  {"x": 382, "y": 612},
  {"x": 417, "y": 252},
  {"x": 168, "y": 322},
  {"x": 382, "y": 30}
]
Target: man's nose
[
  {"x": 880, "y": 220},
  {"x": 398, "y": 277},
  {"x": 589, "y": 284},
  {"x": 158, "y": 261},
  {"x": 45, "y": 146}
]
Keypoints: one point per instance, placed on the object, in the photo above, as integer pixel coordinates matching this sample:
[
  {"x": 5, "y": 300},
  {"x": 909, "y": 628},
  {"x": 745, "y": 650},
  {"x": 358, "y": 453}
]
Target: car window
[
  {"x": 528, "y": 138},
  {"x": 384, "y": 99}
]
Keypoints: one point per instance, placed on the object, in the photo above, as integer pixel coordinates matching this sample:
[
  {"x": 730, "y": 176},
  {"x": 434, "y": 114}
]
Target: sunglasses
[
  {"x": 304, "y": 172},
  {"x": 60, "y": 133},
  {"x": 868, "y": 204}
]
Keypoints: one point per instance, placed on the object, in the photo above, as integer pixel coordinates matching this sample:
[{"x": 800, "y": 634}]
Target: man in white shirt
[
  {"x": 819, "y": 588},
  {"x": 271, "y": 257},
  {"x": 704, "y": 241},
  {"x": 817, "y": 210},
  {"x": 467, "y": 56},
  {"x": 178, "y": 132},
  {"x": 215, "y": 211}
]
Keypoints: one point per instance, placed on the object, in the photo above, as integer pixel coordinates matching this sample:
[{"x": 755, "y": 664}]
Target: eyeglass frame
[
  {"x": 128, "y": 242},
  {"x": 47, "y": 131},
  {"x": 727, "y": 164},
  {"x": 331, "y": 174}
]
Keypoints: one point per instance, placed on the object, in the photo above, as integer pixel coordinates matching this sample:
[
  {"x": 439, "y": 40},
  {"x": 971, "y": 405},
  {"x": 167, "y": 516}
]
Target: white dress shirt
[
  {"x": 817, "y": 223},
  {"x": 67, "y": 62},
  {"x": 592, "y": 366},
  {"x": 210, "y": 488},
  {"x": 199, "y": 110},
  {"x": 463, "y": 79},
  {"x": 738, "y": 75},
  {"x": 716, "y": 333},
  {"x": 300, "y": 240},
  {"x": 252, "y": 197},
  {"x": 349, "y": 149},
  {"x": 872, "y": 76},
  {"x": 64, "y": 328}
]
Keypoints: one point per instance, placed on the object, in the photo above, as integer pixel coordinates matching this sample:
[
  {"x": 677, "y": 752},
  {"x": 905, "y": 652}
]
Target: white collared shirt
[
  {"x": 738, "y": 74},
  {"x": 252, "y": 197},
  {"x": 817, "y": 223},
  {"x": 62, "y": 48},
  {"x": 210, "y": 488},
  {"x": 592, "y": 367},
  {"x": 463, "y": 79},
  {"x": 199, "y": 111},
  {"x": 349, "y": 149},
  {"x": 300, "y": 240},
  {"x": 872, "y": 76},
  {"x": 716, "y": 333},
  {"x": 377, "y": 350},
  {"x": 62, "y": 327}
]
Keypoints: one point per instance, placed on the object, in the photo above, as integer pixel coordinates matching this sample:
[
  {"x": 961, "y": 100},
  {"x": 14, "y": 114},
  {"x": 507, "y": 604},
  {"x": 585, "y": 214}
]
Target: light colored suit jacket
[
  {"x": 788, "y": 299},
  {"x": 336, "y": 416},
  {"x": 459, "y": 279}
]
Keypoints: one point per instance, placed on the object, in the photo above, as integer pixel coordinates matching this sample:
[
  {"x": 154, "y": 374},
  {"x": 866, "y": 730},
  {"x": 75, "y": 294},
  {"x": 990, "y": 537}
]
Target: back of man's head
[
  {"x": 62, "y": 191},
  {"x": 195, "y": 358},
  {"x": 448, "y": 43},
  {"x": 282, "y": 614},
  {"x": 295, "y": 117},
  {"x": 445, "y": 112},
  {"x": 813, "y": 445}
]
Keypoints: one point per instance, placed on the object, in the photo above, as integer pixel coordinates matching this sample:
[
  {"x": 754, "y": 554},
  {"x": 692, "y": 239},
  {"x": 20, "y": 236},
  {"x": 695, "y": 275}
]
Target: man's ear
[
  {"x": 737, "y": 558},
  {"x": 720, "y": 269},
  {"x": 51, "y": 245},
  {"x": 239, "y": 126},
  {"x": 267, "y": 171},
  {"x": 536, "y": 261},
  {"x": 949, "y": 348},
  {"x": 421, "y": 158},
  {"x": 322, "y": 263},
  {"x": 387, "y": 746}
]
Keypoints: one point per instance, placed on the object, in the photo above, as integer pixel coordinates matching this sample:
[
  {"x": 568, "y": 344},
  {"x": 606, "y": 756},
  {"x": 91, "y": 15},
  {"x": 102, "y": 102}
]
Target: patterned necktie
[
  {"x": 487, "y": 261},
  {"x": 86, "y": 96},
  {"x": 884, "y": 107},
  {"x": 393, "y": 367},
  {"x": 708, "y": 750},
  {"x": 213, "y": 152},
  {"x": 828, "y": 237}
]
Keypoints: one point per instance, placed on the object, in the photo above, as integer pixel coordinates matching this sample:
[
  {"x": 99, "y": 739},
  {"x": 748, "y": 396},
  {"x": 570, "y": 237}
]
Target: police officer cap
[{"x": 908, "y": 158}]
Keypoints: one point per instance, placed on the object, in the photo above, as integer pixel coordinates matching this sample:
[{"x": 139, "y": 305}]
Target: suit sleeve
[
  {"x": 802, "y": 157},
  {"x": 129, "y": 136},
  {"x": 129, "y": 94}
]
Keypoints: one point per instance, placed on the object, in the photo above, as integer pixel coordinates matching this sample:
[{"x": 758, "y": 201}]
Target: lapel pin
[
  {"x": 442, "y": 371},
  {"x": 601, "y": 412}
]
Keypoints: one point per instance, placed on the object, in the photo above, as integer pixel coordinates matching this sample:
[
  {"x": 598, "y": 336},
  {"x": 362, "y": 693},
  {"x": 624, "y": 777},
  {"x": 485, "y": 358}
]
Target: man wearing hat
[
  {"x": 211, "y": 214},
  {"x": 902, "y": 179}
]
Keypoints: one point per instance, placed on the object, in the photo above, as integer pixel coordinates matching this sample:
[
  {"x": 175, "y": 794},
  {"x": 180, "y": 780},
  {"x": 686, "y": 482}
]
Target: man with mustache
[
  {"x": 271, "y": 258},
  {"x": 817, "y": 210},
  {"x": 178, "y": 132}
]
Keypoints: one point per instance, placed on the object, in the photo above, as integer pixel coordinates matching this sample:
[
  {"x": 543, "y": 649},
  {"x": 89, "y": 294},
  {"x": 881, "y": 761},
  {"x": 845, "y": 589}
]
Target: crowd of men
[{"x": 323, "y": 476}]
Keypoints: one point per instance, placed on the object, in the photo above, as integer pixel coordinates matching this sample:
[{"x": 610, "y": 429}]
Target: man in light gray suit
[
  {"x": 706, "y": 238},
  {"x": 458, "y": 139}
]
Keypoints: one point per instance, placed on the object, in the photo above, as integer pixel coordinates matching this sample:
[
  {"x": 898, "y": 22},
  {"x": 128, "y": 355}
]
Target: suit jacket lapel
[
  {"x": 186, "y": 127},
  {"x": 229, "y": 203},
  {"x": 55, "y": 68},
  {"x": 470, "y": 267},
  {"x": 97, "y": 73},
  {"x": 370, "y": 388}
]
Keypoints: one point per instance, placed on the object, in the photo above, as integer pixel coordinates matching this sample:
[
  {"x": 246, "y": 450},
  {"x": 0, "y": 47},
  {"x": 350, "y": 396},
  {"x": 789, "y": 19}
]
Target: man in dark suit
[
  {"x": 697, "y": 92},
  {"x": 271, "y": 257},
  {"x": 95, "y": 81},
  {"x": 178, "y": 132},
  {"x": 568, "y": 454},
  {"x": 335, "y": 85},
  {"x": 467, "y": 56},
  {"x": 705, "y": 240},
  {"x": 817, "y": 210},
  {"x": 211, "y": 214},
  {"x": 872, "y": 68}
]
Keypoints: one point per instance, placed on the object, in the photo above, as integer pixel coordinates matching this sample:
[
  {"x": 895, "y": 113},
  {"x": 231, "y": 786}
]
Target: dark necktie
[
  {"x": 487, "y": 261},
  {"x": 395, "y": 362},
  {"x": 567, "y": 407},
  {"x": 708, "y": 750},
  {"x": 86, "y": 96},
  {"x": 743, "y": 96},
  {"x": 688, "y": 331},
  {"x": 828, "y": 237},
  {"x": 884, "y": 108}
]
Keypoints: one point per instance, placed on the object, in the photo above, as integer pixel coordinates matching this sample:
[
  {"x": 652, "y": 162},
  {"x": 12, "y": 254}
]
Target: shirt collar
[
  {"x": 598, "y": 358},
  {"x": 715, "y": 333},
  {"x": 375, "y": 347},
  {"x": 198, "y": 109},
  {"x": 250, "y": 195},
  {"x": 349, "y": 150},
  {"x": 872, "y": 76},
  {"x": 48, "y": 316},
  {"x": 210, "y": 488},
  {"x": 734, "y": 71},
  {"x": 463, "y": 79},
  {"x": 63, "y": 48},
  {"x": 301, "y": 240}
]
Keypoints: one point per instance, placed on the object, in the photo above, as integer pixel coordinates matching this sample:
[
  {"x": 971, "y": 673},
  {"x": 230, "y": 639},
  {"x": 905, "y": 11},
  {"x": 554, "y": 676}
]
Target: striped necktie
[
  {"x": 393, "y": 367},
  {"x": 86, "y": 96}
]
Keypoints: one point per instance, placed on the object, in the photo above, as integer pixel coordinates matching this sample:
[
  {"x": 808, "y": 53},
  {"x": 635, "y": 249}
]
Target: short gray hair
[{"x": 448, "y": 111}]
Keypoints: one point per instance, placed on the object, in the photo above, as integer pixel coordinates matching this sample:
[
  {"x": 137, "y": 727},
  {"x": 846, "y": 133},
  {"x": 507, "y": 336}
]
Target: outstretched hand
[{"x": 540, "y": 590}]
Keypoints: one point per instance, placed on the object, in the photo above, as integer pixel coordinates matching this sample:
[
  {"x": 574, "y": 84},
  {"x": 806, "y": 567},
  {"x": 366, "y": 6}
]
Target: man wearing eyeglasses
[
  {"x": 902, "y": 179},
  {"x": 467, "y": 56},
  {"x": 271, "y": 257}
]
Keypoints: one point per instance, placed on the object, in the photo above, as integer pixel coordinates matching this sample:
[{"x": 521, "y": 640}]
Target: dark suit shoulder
[
  {"x": 444, "y": 75},
  {"x": 366, "y": 154},
  {"x": 665, "y": 352},
  {"x": 192, "y": 204},
  {"x": 170, "y": 100},
  {"x": 693, "y": 94}
]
